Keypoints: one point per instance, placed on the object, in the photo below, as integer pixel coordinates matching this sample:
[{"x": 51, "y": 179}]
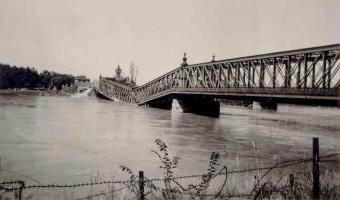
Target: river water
[{"x": 48, "y": 138}]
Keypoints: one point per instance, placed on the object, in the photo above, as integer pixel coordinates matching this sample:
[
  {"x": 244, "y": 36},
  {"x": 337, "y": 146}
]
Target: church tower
[{"x": 118, "y": 75}]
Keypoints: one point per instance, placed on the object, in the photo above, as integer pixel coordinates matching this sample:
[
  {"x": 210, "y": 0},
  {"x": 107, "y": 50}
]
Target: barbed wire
[
  {"x": 4, "y": 185},
  {"x": 295, "y": 162},
  {"x": 221, "y": 195},
  {"x": 20, "y": 185},
  {"x": 279, "y": 165},
  {"x": 77, "y": 184},
  {"x": 102, "y": 193},
  {"x": 330, "y": 155},
  {"x": 329, "y": 161}
]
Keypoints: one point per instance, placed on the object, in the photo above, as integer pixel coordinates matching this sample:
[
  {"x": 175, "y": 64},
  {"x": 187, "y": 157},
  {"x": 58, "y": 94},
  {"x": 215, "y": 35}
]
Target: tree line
[{"x": 25, "y": 77}]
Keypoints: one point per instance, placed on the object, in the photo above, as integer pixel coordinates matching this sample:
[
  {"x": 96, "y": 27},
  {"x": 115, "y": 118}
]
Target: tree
[{"x": 20, "y": 77}]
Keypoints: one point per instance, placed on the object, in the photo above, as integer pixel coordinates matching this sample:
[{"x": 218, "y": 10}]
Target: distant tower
[
  {"x": 184, "y": 64},
  {"x": 118, "y": 73}
]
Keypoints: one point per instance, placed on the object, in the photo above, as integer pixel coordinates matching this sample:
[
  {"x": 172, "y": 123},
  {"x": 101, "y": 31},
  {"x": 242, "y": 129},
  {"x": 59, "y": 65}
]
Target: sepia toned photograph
[{"x": 169, "y": 100}]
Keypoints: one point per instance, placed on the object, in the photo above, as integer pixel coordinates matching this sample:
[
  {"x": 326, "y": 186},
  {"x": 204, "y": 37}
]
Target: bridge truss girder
[
  {"x": 313, "y": 71},
  {"x": 293, "y": 74}
]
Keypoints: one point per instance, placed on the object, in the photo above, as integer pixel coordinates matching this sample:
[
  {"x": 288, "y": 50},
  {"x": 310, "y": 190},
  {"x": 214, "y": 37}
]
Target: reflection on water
[{"x": 49, "y": 138}]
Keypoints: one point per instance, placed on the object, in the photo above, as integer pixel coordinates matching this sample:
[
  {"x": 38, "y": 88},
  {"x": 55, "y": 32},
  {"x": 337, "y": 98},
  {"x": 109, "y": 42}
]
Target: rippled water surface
[{"x": 48, "y": 138}]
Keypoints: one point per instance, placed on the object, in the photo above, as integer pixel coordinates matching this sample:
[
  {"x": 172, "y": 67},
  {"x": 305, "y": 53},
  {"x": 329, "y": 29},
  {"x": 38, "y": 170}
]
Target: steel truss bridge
[{"x": 305, "y": 76}]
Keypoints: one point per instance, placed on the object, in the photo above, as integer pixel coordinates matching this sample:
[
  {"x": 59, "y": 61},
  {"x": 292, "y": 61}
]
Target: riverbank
[{"x": 14, "y": 92}]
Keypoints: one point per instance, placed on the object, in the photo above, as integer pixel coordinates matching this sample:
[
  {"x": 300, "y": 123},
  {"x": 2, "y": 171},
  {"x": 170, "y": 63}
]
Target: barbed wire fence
[{"x": 17, "y": 187}]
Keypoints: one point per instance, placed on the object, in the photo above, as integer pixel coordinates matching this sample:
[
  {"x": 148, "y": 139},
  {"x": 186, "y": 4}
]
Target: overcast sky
[{"x": 92, "y": 37}]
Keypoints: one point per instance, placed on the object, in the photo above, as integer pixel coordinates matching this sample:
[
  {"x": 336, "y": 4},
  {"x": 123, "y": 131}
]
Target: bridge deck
[{"x": 279, "y": 94}]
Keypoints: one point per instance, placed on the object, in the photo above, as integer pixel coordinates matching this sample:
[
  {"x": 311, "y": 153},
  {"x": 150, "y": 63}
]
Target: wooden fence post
[
  {"x": 141, "y": 185},
  {"x": 316, "y": 172},
  {"x": 291, "y": 181},
  {"x": 22, "y": 185}
]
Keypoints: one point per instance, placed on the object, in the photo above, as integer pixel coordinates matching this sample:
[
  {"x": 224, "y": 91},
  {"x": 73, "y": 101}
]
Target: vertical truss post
[
  {"x": 249, "y": 73},
  {"x": 212, "y": 74},
  {"x": 261, "y": 80},
  {"x": 238, "y": 74},
  {"x": 165, "y": 82},
  {"x": 244, "y": 75},
  {"x": 298, "y": 78},
  {"x": 181, "y": 77},
  {"x": 313, "y": 74},
  {"x": 186, "y": 77},
  {"x": 204, "y": 76},
  {"x": 324, "y": 69},
  {"x": 289, "y": 83},
  {"x": 274, "y": 72},
  {"x": 236, "y": 77},
  {"x": 229, "y": 74},
  {"x": 305, "y": 71},
  {"x": 220, "y": 74},
  {"x": 285, "y": 62},
  {"x": 197, "y": 74},
  {"x": 223, "y": 68},
  {"x": 329, "y": 73},
  {"x": 287, "y": 73},
  {"x": 194, "y": 78},
  {"x": 253, "y": 77}
]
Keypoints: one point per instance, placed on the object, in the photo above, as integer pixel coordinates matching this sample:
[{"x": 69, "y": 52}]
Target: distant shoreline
[{"x": 28, "y": 92}]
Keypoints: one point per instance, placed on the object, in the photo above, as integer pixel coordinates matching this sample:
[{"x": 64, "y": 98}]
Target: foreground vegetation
[{"x": 283, "y": 180}]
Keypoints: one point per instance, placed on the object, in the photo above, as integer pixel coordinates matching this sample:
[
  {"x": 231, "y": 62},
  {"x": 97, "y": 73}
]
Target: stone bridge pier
[
  {"x": 200, "y": 106},
  {"x": 161, "y": 104},
  {"x": 197, "y": 105},
  {"x": 268, "y": 104}
]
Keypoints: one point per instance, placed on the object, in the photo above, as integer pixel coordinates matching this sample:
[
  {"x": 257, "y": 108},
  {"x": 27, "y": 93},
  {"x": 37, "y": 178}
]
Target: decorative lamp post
[
  {"x": 183, "y": 65},
  {"x": 213, "y": 58}
]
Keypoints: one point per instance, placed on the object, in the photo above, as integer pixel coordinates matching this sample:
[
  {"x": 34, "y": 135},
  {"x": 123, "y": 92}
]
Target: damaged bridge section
[{"x": 112, "y": 89}]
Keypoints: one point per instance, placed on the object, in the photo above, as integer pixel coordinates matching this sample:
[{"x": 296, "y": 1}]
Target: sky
[{"x": 93, "y": 37}]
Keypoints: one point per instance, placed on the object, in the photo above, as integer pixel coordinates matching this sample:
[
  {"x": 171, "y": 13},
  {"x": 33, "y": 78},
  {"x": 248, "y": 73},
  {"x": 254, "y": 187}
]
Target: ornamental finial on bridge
[
  {"x": 213, "y": 58},
  {"x": 184, "y": 60}
]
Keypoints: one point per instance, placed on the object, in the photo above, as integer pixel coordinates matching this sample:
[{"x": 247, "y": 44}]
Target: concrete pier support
[
  {"x": 268, "y": 104},
  {"x": 201, "y": 106},
  {"x": 162, "y": 104}
]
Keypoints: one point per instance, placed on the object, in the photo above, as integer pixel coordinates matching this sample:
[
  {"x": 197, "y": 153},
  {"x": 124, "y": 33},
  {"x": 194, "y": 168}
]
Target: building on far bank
[{"x": 82, "y": 83}]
